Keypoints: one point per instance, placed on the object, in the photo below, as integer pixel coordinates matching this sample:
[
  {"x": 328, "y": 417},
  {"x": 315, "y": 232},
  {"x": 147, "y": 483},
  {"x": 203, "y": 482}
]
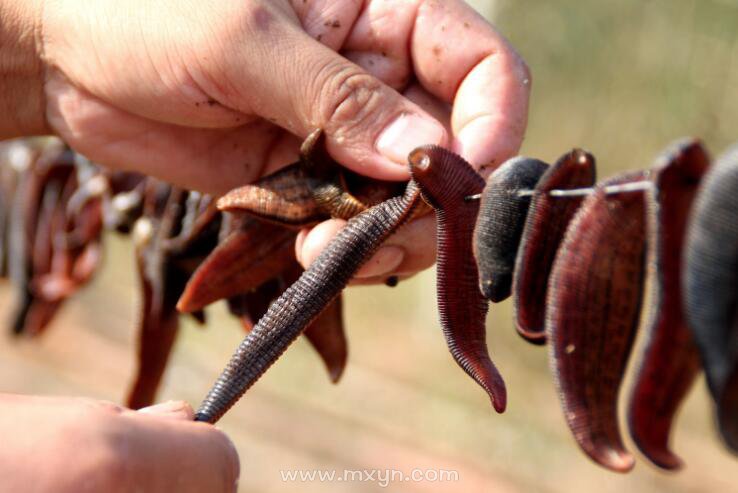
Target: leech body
[
  {"x": 445, "y": 179},
  {"x": 302, "y": 302},
  {"x": 669, "y": 362},
  {"x": 711, "y": 287},
  {"x": 594, "y": 299},
  {"x": 499, "y": 227},
  {"x": 545, "y": 226}
]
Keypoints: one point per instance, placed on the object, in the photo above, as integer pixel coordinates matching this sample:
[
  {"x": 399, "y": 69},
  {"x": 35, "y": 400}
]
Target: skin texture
[
  {"x": 115, "y": 449},
  {"x": 545, "y": 226},
  {"x": 445, "y": 180},
  {"x": 499, "y": 228},
  {"x": 303, "y": 301},
  {"x": 593, "y": 313},
  {"x": 669, "y": 362},
  {"x": 711, "y": 277}
]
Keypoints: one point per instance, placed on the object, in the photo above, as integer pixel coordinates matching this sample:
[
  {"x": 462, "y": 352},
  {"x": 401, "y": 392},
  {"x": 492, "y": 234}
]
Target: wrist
[{"x": 22, "y": 107}]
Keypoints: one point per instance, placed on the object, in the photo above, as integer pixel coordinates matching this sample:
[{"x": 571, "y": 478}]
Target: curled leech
[
  {"x": 592, "y": 315},
  {"x": 303, "y": 301},
  {"x": 669, "y": 361},
  {"x": 499, "y": 227},
  {"x": 710, "y": 294},
  {"x": 545, "y": 226},
  {"x": 445, "y": 179}
]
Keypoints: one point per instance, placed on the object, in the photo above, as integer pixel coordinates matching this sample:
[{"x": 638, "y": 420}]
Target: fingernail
[
  {"x": 407, "y": 132},
  {"x": 386, "y": 260},
  {"x": 168, "y": 408}
]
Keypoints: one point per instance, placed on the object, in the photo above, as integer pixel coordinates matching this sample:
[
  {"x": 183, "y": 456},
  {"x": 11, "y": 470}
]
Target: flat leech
[
  {"x": 302, "y": 302},
  {"x": 669, "y": 361},
  {"x": 499, "y": 226},
  {"x": 445, "y": 179},
  {"x": 710, "y": 294},
  {"x": 593, "y": 313},
  {"x": 545, "y": 226}
]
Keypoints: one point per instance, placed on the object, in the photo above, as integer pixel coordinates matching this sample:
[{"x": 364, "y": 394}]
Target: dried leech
[
  {"x": 545, "y": 225},
  {"x": 499, "y": 227},
  {"x": 593, "y": 313}
]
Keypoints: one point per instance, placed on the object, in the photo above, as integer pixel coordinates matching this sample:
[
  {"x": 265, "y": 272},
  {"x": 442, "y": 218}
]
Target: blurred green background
[{"x": 621, "y": 79}]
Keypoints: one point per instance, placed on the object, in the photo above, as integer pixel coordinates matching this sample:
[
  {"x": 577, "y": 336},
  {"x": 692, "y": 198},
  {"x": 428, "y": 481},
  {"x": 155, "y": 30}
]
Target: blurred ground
[{"x": 619, "y": 78}]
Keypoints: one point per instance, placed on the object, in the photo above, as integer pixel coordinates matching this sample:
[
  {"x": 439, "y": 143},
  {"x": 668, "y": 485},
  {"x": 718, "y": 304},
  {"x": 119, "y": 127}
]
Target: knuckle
[{"x": 351, "y": 100}]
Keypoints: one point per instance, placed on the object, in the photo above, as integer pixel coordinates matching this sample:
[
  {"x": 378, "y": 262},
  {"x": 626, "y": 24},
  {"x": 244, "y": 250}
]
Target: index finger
[{"x": 460, "y": 58}]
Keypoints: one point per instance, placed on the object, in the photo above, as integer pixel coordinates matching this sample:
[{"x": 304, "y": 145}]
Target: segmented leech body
[
  {"x": 502, "y": 214},
  {"x": 669, "y": 361},
  {"x": 594, "y": 300},
  {"x": 303, "y": 301},
  {"x": 711, "y": 287},
  {"x": 445, "y": 180},
  {"x": 545, "y": 226}
]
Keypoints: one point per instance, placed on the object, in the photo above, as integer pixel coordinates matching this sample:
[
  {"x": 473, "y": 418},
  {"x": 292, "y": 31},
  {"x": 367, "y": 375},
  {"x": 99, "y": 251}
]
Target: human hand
[
  {"x": 61, "y": 444},
  {"x": 213, "y": 94}
]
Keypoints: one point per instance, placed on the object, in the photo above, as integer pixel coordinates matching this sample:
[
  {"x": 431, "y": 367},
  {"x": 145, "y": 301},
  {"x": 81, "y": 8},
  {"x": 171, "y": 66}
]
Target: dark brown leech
[
  {"x": 548, "y": 217},
  {"x": 711, "y": 287},
  {"x": 594, "y": 300},
  {"x": 325, "y": 333},
  {"x": 249, "y": 256},
  {"x": 502, "y": 214},
  {"x": 445, "y": 179},
  {"x": 669, "y": 362},
  {"x": 302, "y": 302}
]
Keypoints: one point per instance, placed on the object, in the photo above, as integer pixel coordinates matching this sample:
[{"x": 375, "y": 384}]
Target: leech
[
  {"x": 302, "y": 302},
  {"x": 545, "y": 227},
  {"x": 500, "y": 223},
  {"x": 594, "y": 300},
  {"x": 710, "y": 294},
  {"x": 669, "y": 361},
  {"x": 445, "y": 178}
]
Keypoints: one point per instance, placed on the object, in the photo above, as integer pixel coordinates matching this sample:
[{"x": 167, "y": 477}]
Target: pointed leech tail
[
  {"x": 544, "y": 230},
  {"x": 711, "y": 287},
  {"x": 502, "y": 214},
  {"x": 302, "y": 302},
  {"x": 669, "y": 361},
  {"x": 594, "y": 301},
  {"x": 248, "y": 257},
  {"x": 445, "y": 179}
]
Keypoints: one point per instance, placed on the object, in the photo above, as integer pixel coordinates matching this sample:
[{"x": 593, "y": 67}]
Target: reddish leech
[
  {"x": 593, "y": 313},
  {"x": 669, "y": 362},
  {"x": 445, "y": 180},
  {"x": 548, "y": 218}
]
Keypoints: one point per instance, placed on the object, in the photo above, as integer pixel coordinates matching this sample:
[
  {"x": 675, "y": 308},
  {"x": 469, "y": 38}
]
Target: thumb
[{"x": 303, "y": 85}]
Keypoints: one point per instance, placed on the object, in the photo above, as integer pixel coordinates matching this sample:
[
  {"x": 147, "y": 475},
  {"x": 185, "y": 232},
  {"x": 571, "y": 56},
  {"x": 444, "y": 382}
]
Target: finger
[
  {"x": 208, "y": 160},
  {"x": 459, "y": 57},
  {"x": 370, "y": 127},
  {"x": 171, "y": 409},
  {"x": 197, "y": 456},
  {"x": 409, "y": 250}
]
